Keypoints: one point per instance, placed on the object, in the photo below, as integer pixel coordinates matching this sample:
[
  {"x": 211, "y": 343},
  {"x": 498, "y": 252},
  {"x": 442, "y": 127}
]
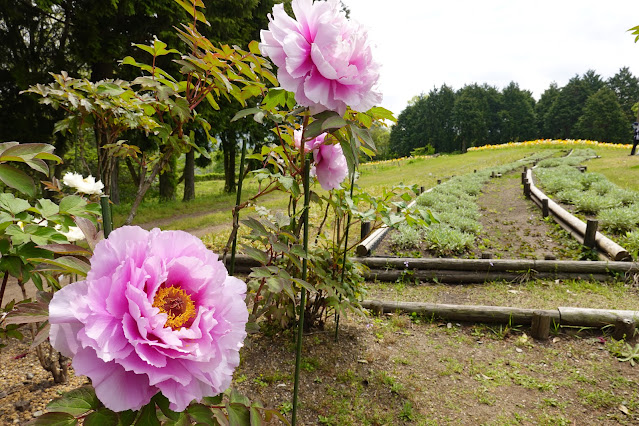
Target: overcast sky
[{"x": 423, "y": 44}]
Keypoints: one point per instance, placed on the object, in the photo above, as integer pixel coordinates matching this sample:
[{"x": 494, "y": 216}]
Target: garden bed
[
  {"x": 398, "y": 369},
  {"x": 512, "y": 227}
]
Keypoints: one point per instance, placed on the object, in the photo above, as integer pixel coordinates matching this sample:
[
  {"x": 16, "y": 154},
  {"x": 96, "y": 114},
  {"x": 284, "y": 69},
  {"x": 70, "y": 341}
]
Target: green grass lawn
[
  {"x": 212, "y": 206},
  {"x": 619, "y": 167}
]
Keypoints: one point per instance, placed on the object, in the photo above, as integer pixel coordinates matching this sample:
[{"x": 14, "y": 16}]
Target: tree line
[
  {"x": 88, "y": 39},
  {"x": 587, "y": 107}
]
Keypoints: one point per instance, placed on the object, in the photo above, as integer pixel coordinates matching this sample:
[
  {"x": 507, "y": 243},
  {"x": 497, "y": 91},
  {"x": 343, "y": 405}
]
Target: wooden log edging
[
  {"x": 513, "y": 265},
  {"x": 469, "y": 277},
  {"x": 575, "y": 226},
  {"x": 462, "y": 271},
  {"x": 572, "y": 316}
]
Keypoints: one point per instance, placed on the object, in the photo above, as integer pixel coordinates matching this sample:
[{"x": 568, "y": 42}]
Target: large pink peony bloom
[
  {"x": 157, "y": 312},
  {"x": 329, "y": 162},
  {"x": 330, "y": 165},
  {"x": 322, "y": 57}
]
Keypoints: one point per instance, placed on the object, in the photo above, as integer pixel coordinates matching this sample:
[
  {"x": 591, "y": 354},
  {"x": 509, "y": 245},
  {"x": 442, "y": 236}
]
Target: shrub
[
  {"x": 407, "y": 237},
  {"x": 630, "y": 242},
  {"x": 590, "y": 203},
  {"x": 446, "y": 241},
  {"x": 620, "y": 219}
]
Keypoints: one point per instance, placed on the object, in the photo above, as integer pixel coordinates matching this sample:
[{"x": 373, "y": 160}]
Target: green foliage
[
  {"x": 603, "y": 119},
  {"x": 619, "y": 220},
  {"x": 30, "y": 154},
  {"x": 630, "y": 241},
  {"x": 447, "y": 241},
  {"x": 228, "y": 408},
  {"x": 591, "y": 193},
  {"x": 407, "y": 237}
]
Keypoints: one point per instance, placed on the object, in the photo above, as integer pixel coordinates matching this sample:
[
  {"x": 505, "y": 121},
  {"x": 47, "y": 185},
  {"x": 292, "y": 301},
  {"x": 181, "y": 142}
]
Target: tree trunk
[
  {"x": 228, "y": 146},
  {"x": 144, "y": 184},
  {"x": 189, "y": 176},
  {"x": 168, "y": 181}
]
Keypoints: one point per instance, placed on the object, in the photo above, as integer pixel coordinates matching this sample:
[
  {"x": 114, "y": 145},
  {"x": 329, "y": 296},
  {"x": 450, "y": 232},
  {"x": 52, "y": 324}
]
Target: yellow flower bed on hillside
[
  {"x": 553, "y": 142},
  {"x": 395, "y": 160}
]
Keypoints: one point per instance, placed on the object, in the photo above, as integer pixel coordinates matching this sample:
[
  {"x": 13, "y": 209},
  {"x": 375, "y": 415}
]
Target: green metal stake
[
  {"x": 348, "y": 225},
  {"x": 107, "y": 222},
  {"x": 238, "y": 199},
  {"x": 300, "y": 322}
]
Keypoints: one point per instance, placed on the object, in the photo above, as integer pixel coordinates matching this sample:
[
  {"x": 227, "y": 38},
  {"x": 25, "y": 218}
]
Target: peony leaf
[
  {"x": 47, "y": 208},
  {"x": 28, "y": 149},
  {"x": 148, "y": 416},
  {"x": 245, "y": 112},
  {"x": 90, "y": 232},
  {"x": 25, "y": 313},
  {"x": 72, "y": 204},
  {"x": 17, "y": 179},
  {"x": 201, "y": 414},
  {"x": 126, "y": 418},
  {"x": 254, "y": 47},
  {"x": 182, "y": 420},
  {"x": 66, "y": 249},
  {"x": 42, "y": 335},
  {"x": 76, "y": 402},
  {"x": 256, "y": 417},
  {"x": 101, "y": 417},
  {"x": 333, "y": 123},
  {"x": 55, "y": 419},
  {"x": 12, "y": 204},
  {"x": 256, "y": 254},
  {"x": 68, "y": 264},
  {"x": 213, "y": 400},
  {"x": 238, "y": 414},
  {"x": 6, "y": 145},
  {"x": 163, "y": 402}
]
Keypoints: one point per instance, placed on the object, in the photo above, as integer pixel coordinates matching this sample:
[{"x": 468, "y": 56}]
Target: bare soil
[{"x": 398, "y": 370}]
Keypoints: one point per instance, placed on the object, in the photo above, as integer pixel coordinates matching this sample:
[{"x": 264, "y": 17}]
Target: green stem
[
  {"x": 300, "y": 323},
  {"x": 107, "y": 223},
  {"x": 236, "y": 212},
  {"x": 348, "y": 225}
]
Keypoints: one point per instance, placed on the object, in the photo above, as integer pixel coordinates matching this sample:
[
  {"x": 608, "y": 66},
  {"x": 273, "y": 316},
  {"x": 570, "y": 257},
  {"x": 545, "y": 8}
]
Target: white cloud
[{"x": 423, "y": 44}]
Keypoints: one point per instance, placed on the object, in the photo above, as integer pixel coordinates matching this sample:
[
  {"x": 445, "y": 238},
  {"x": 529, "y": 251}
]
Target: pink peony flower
[
  {"x": 321, "y": 57},
  {"x": 310, "y": 145},
  {"x": 329, "y": 162},
  {"x": 157, "y": 312},
  {"x": 330, "y": 166}
]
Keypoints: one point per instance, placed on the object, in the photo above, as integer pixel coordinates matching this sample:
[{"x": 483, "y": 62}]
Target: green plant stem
[
  {"x": 341, "y": 281},
  {"x": 300, "y": 323},
  {"x": 236, "y": 211},
  {"x": 107, "y": 223}
]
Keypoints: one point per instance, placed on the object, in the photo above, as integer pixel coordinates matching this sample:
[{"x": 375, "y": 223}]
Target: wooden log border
[
  {"x": 462, "y": 271},
  {"x": 569, "y": 316},
  {"x": 575, "y": 226}
]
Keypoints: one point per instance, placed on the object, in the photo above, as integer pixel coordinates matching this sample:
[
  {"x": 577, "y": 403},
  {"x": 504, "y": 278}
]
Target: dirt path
[{"x": 513, "y": 226}]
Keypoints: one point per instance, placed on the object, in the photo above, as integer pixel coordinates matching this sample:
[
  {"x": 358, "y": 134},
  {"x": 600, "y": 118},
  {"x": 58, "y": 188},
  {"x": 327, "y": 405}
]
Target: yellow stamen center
[{"x": 174, "y": 302}]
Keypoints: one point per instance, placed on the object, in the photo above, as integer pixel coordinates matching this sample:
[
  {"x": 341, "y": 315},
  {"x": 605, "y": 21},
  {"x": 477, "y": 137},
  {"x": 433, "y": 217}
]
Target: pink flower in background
[
  {"x": 322, "y": 57},
  {"x": 157, "y": 312},
  {"x": 329, "y": 163},
  {"x": 330, "y": 166},
  {"x": 310, "y": 145}
]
